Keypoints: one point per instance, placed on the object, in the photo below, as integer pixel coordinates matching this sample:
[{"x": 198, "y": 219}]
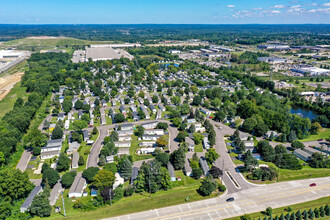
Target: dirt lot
[{"x": 8, "y": 82}]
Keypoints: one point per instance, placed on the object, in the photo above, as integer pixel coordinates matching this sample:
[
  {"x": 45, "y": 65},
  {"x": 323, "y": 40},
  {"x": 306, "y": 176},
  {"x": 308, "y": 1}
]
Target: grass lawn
[
  {"x": 300, "y": 206},
  {"x": 198, "y": 148},
  {"x": 306, "y": 172},
  {"x": 325, "y": 133},
  {"x": 8, "y": 102},
  {"x": 134, "y": 146},
  {"x": 138, "y": 202}
]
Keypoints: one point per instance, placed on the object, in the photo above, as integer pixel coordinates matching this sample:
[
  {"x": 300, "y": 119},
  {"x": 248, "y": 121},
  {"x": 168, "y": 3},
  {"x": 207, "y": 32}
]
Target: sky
[{"x": 164, "y": 12}]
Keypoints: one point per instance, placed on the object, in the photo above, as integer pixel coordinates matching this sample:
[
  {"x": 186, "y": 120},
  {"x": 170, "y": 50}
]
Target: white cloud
[
  {"x": 231, "y": 6},
  {"x": 276, "y": 12},
  {"x": 279, "y": 6},
  {"x": 296, "y": 6},
  {"x": 326, "y": 5}
]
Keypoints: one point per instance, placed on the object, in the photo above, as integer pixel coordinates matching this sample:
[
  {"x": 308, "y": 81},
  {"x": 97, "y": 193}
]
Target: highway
[{"x": 247, "y": 201}]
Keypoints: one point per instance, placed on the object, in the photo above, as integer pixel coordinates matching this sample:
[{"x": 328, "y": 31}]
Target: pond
[
  {"x": 168, "y": 64},
  {"x": 305, "y": 113}
]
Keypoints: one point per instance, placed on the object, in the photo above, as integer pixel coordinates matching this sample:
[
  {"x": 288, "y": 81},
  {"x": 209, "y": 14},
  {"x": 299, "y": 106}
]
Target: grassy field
[
  {"x": 134, "y": 146},
  {"x": 198, "y": 148},
  {"x": 300, "y": 206},
  {"x": 48, "y": 44},
  {"x": 8, "y": 102},
  {"x": 138, "y": 202},
  {"x": 325, "y": 133},
  {"x": 306, "y": 172}
]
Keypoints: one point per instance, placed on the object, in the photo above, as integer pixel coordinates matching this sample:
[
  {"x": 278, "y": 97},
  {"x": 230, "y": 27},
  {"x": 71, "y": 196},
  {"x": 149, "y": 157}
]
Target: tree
[
  {"x": 319, "y": 161},
  {"x": 198, "y": 137},
  {"x": 165, "y": 179},
  {"x": 95, "y": 131},
  {"x": 178, "y": 159},
  {"x": 297, "y": 144},
  {"x": 269, "y": 211},
  {"x": 215, "y": 172},
  {"x": 176, "y": 121},
  {"x": 192, "y": 129},
  {"x": 76, "y": 136},
  {"x": 163, "y": 158},
  {"x": 50, "y": 176},
  {"x": 40, "y": 205},
  {"x": 111, "y": 167},
  {"x": 14, "y": 185},
  {"x": 68, "y": 178},
  {"x": 322, "y": 211},
  {"x": 241, "y": 147},
  {"x": 161, "y": 142},
  {"x": 81, "y": 161},
  {"x": 182, "y": 136},
  {"x": 197, "y": 100},
  {"x": 245, "y": 217},
  {"x": 103, "y": 179},
  {"x": 89, "y": 173},
  {"x": 315, "y": 128},
  {"x": 119, "y": 117},
  {"x": 327, "y": 210},
  {"x": 139, "y": 131},
  {"x": 155, "y": 99},
  {"x": 126, "y": 169},
  {"x": 197, "y": 172},
  {"x": 162, "y": 125},
  {"x": 211, "y": 155},
  {"x": 44, "y": 167},
  {"x": 57, "y": 133},
  {"x": 63, "y": 163},
  {"x": 250, "y": 161},
  {"x": 207, "y": 187}
]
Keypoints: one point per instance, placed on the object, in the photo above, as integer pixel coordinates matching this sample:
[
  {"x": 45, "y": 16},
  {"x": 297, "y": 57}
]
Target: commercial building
[
  {"x": 274, "y": 47},
  {"x": 313, "y": 71},
  {"x": 101, "y": 53}
]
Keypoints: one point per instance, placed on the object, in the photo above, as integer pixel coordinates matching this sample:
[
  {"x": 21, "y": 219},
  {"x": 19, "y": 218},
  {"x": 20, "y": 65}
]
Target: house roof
[
  {"x": 78, "y": 184},
  {"x": 205, "y": 167},
  {"x": 170, "y": 169},
  {"x": 30, "y": 198}
]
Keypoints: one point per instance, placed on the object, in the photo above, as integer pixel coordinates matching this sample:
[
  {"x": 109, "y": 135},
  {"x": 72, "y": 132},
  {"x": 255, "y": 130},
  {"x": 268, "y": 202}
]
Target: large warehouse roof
[{"x": 101, "y": 53}]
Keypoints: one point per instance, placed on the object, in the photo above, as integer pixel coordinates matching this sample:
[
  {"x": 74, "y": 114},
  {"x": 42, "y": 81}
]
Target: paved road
[
  {"x": 23, "y": 162},
  {"x": 251, "y": 200},
  {"x": 103, "y": 132},
  {"x": 225, "y": 163}
]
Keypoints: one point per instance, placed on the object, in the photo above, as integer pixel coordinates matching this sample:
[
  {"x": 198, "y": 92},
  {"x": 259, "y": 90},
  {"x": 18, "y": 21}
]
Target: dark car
[
  {"x": 313, "y": 184},
  {"x": 320, "y": 140},
  {"x": 231, "y": 199}
]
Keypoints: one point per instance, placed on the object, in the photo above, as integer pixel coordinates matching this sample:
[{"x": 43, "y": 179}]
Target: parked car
[
  {"x": 237, "y": 170},
  {"x": 313, "y": 184},
  {"x": 320, "y": 140},
  {"x": 231, "y": 199}
]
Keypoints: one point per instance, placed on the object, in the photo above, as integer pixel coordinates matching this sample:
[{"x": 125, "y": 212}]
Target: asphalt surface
[
  {"x": 103, "y": 132},
  {"x": 233, "y": 180},
  {"x": 248, "y": 201}
]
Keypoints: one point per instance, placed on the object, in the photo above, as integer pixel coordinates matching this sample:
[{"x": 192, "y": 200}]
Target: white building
[{"x": 78, "y": 186}]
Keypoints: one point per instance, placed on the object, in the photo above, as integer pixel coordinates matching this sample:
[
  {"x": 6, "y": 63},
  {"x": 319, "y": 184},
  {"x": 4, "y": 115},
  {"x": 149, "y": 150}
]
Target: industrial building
[
  {"x": 101, "y": 53},
  {"x": 313, "y": 71},
  {"x": 274, "y": 47},
  {"x": 272, "y": 59}
]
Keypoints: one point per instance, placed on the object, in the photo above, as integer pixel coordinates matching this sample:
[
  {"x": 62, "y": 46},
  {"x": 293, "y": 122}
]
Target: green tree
[
  {"x": 198, "y": 137},
  {"x": 211, "y": 155},
  {"x": 322, "y": 211},
  {"x": 297, "y": 144},
  {"x": 215, "y": 172},
  {"x": 57, "y": 133},
  {"x": 207, "y": 187},
  {"x": 197, "y": 172},
  {"x": 81, "y": 161},
  {"x": 40, "y": 205},
  {"x": 68, "y": 178},
  {"x": 63, "y": 163},
  {"x": 269, "y": 211},
  {"x": 111, "y": 167},
  {"x": 126, "y": 169},
  {"x": 89, "y": 173},
  {"x": 14, "y": 185},
  {"x": 119, "y": 117},
  {"x": 50, "y": 176},
  {"x": 163, "y": 158},
  {"x": 165, "y": 179},
  {"x": 177, "y": 158},
  {"x": 139, "y": 131},
  {"x": 103, "y": 179}
]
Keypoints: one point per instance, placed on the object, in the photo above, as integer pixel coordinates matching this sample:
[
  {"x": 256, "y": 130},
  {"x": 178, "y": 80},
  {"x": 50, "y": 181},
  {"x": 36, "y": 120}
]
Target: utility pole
[
  {"x": 110, "y": 196},
  {"x": 63, "y": 204}
]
